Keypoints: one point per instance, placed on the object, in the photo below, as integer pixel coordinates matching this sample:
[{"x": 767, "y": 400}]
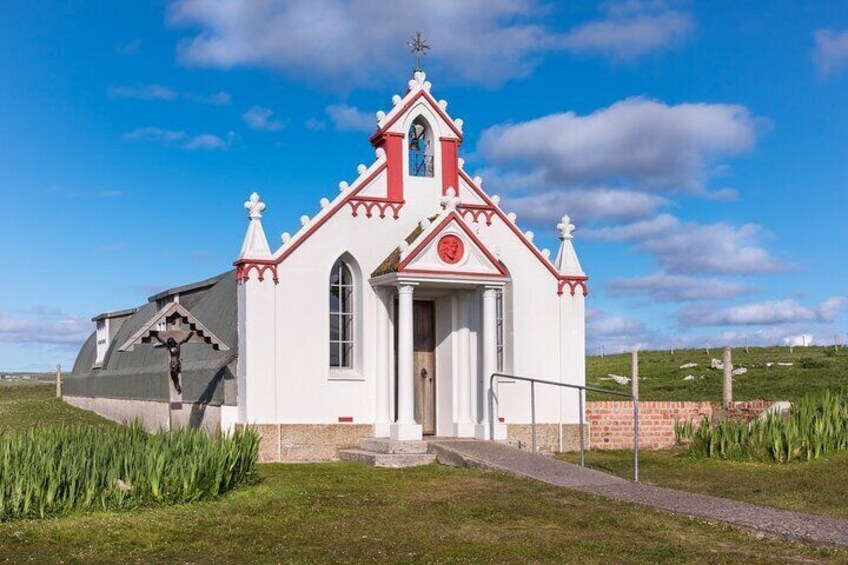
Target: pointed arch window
[
  {"x": 420, "y": 138},
  {"x": 341, "y": 316}
]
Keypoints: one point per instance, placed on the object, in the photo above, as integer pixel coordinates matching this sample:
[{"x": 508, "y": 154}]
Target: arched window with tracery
[
  {"x": 420, "y": 148},
  {"x": 341, "y": 316}
]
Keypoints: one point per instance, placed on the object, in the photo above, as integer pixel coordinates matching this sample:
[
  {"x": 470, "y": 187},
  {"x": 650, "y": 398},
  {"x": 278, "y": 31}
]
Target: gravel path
[{"x": 784, "y": 523}]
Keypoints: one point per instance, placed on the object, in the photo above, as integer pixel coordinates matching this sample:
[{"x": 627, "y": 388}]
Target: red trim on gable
[
  {"x": 382, "y": 204},
  {"x": 375, "y": 137},
  {"x": 450, "y": 164},
  {"x": 561, "y": 279},
  {"x": 277, "y": 260},
  {"x": 450, "y": 217},
  {"x": 243, "y": 270},
  {"x": 477, "y": 210},
  {"x": 392, "y": 144}
]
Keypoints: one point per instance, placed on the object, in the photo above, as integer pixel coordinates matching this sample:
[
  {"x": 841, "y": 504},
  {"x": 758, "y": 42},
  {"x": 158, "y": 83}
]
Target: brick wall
[{"x": 611, "y": 423}]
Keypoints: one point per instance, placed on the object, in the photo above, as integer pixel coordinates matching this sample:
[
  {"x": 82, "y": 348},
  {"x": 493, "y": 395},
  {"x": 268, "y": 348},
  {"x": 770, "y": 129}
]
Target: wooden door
[{"x": 424, "y": 364}]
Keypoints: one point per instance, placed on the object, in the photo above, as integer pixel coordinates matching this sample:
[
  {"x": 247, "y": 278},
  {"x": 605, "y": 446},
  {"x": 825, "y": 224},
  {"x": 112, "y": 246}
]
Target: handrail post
[
  {"x": 582, "y": 446},
  {"x": 635, "y": 440},
  {"x": 533, "y": 414}
]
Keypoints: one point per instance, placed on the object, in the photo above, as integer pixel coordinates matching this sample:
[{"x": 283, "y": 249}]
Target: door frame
[{"x": 432, "y": 302}]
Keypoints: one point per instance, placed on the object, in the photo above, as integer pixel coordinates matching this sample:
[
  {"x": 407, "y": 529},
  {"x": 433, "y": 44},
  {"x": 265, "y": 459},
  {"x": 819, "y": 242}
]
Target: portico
[{"x": 447, "y": 385}]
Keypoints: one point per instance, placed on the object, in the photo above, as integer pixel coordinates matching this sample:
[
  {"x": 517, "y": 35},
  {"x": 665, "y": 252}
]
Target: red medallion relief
[{"x": 451, "y": 249}]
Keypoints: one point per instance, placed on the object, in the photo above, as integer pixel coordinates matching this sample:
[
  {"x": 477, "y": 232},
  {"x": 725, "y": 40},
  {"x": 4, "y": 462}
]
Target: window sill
[{"x": 345, "y": 375}]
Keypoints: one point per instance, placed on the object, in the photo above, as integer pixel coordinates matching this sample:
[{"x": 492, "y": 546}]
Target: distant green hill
[{"x": 662, "y": 378}]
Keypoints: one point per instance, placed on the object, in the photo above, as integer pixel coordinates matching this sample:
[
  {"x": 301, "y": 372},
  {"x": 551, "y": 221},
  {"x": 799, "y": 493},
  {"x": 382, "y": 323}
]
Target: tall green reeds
[
  {"x": 53, "y": 471},
  {"x": 815, "y": 426}
]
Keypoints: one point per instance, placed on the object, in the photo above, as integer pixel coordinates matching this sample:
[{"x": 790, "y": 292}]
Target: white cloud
[
  {"x": 180, "y": 138},
  {"x": 692, "y": 248},
  {"x": 637, "y": 141},
  {"x": 584, "y": 205},
  {"x": 260, "y": 118},
  {"x": 142, "y": 92},
  {"x": 315, "y": 124},
  {"x": 664, "y": 287},
  {"x": 831, "y": 52},
  {"x": 630, "y": 30},
  {"x": 160, "y": 92},
  {"x": 613, "y": 332},
  {"x": 764, "y": 313},
  {"x": 351, "y": 118},
  {"x": 351, "y": 43},
  {"x": 45, "y": 326}
]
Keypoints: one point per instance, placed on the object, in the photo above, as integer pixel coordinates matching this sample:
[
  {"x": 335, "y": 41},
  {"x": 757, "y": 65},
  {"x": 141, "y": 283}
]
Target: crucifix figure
[
  {"x": 419, "y": 46},
  {"x": 175, "y": 364}
]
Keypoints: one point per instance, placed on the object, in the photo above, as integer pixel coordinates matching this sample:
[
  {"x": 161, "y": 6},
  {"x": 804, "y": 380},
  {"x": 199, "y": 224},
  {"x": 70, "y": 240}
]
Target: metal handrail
[{"x": 581, "y": 391}]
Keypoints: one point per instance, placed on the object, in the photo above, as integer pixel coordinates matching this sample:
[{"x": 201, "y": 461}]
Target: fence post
[
  {"x": 634, "y": 372},
  {"x": 727, "y": 389},
  {"x": 58, "y": 381},
  {"x": 582, "y": 423}
]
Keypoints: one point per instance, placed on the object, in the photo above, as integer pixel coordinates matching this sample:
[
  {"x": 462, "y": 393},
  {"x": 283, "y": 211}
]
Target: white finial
[
  {"x": 529, "y": 235},
  {"x": 412, "y": 84},
  {"x": 478, "y": 180},
  {"x": 461, "y": 162},
  {"x": 496, "y": 200},
  {"x": 396, "y": 100},
  {"x": 403, "y": 246},
  {"x": 254, "y": 207},
  {"x": 565, "y": 228},
  {"x": 324, "y": 202},
  {"x": 285, "y": 237},
  {"x": 459, "y": 123},
  {"x": 512, "y": 217},
  {"x": 427, "y": 85},
  {"x": 304, "y": 219},
  {"x": 424, "y": 224},
  {"x": 443, "y": 104},
  {"x": 361, "y": 168},
  {"x": 381, "y": 115},
  {"x": 343, "y": 186},
  {"x": 450, "y": 200},
  {"x": 380, "y": 153},
  {"x": 420, "y": 77},
  {"x": 546, "y": 253}
]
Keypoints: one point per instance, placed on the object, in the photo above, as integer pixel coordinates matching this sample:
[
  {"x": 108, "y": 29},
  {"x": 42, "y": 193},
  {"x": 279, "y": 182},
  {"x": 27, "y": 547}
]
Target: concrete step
[
  {"x": 385, "y": 445},
  {"x": 388, "y": 460}
]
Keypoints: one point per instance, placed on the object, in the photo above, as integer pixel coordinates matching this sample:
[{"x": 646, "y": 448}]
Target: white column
[
  {"x": 464, "y": 425},
  {"x": 405, "y": 428},
  {"x": 382, "y": 420},
  {"x": 490, "y": 344}
]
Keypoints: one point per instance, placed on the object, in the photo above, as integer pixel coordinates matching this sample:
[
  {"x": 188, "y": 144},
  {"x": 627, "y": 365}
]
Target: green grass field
[
  {"x": 661, "y": 378},
  {"x": 23, "y": 406},
  {"x": 351, "y": 513},
  {"x": 815, "y": 487}
]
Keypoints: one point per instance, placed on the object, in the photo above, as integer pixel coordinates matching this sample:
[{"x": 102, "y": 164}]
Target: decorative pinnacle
[
  {"x": 254, "y": 206},
  {"x": 419, "y": 46},
  {"x": 565, "y": 228},
  {"x": 450, "y": 200}
]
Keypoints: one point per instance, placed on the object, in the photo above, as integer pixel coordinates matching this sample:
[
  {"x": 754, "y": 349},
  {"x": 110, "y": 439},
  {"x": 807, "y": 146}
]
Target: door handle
[{"x": 424, "y": 373}]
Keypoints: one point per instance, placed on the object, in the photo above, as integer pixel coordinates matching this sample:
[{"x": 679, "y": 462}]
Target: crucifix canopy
[{"x": 179, "y": 323}]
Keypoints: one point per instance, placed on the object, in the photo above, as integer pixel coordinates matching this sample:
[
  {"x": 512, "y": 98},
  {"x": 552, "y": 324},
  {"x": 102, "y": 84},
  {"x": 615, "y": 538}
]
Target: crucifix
[
  {"x": 419, "y": 46},
  {"x": 180, "y": 328}
]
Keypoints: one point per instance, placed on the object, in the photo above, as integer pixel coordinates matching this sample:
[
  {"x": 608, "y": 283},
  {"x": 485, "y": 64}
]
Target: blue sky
[{"x": 699, "y": 148}]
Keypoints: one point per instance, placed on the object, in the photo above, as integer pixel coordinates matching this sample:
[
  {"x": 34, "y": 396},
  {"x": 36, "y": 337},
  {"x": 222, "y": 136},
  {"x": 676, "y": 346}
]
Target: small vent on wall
[{"x": 345, "y": 419}]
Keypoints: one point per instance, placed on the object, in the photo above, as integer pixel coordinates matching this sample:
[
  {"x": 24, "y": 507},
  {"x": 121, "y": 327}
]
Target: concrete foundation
[
  {"x": 152, "y": 415},
  {"x": 307, "y": 442},
  {"x": 550, "y": 438}
]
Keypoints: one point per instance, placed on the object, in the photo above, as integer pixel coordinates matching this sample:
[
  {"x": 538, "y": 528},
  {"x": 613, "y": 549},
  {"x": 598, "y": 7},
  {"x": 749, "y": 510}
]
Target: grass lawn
[
  {"x": 23, "y": 406},
  {"x": 661, "y": 378},
  {"x": 816, "y": 487},
  {"x": 350, "y": 513}
]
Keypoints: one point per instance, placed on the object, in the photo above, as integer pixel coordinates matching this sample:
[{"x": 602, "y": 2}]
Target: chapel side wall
[
  {"x": 538, "y": 346},
  {"x": 308, "y": 391}
]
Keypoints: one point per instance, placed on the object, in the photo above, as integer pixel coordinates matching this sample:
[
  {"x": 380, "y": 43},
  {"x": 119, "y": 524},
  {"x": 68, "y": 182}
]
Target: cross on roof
[
  {"x": 565, "y": 228},
  {"x": 254, "y": 206},
  {"x": 419, "y": 46}
]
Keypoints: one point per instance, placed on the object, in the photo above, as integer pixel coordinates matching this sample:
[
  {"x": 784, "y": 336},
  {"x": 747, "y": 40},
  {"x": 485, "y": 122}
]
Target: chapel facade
[{"x": 384, "y": 315}]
